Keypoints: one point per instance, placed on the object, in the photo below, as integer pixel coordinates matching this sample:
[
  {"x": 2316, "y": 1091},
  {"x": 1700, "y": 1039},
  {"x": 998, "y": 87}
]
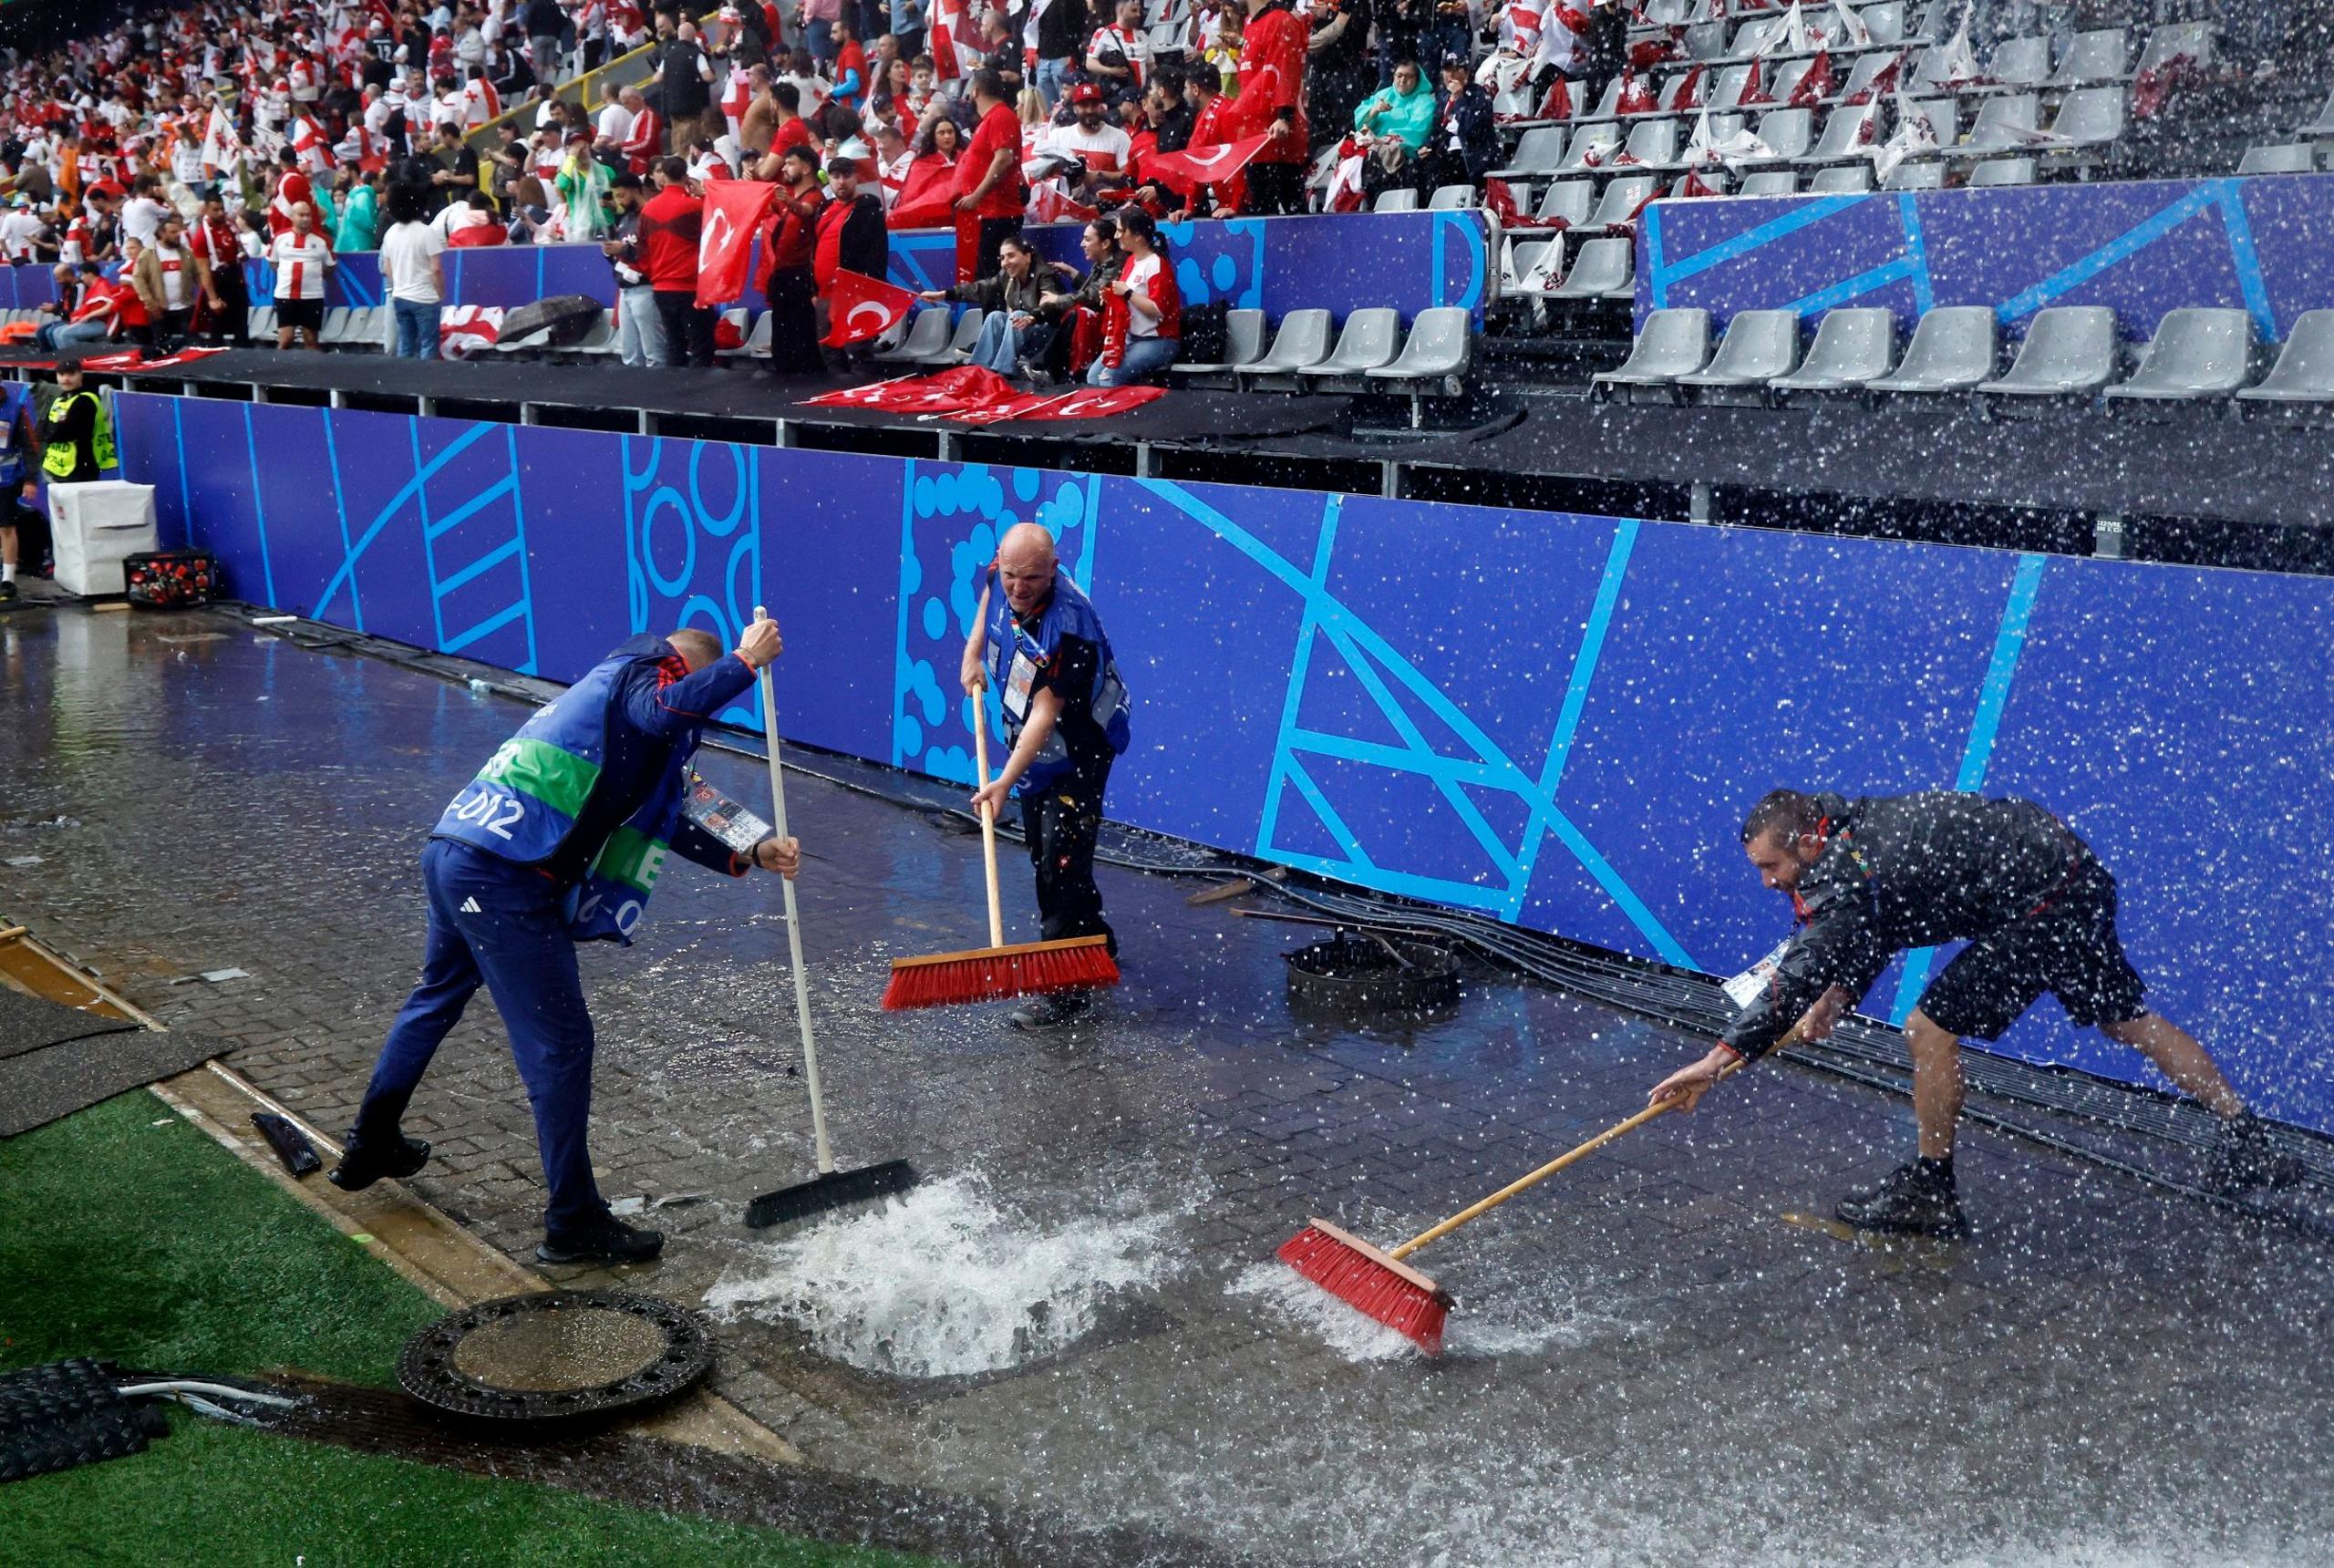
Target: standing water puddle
[{"x": 944, "y": 1282}]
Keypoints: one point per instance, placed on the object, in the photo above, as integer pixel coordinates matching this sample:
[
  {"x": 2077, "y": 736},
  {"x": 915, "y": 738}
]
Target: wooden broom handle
[
  {"x": 988, "y": 822},
  {"x": 1560, "y": 1160}
]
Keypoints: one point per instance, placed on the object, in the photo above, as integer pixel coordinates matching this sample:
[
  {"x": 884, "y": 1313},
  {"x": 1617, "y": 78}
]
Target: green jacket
[{"x": 1408, "y": 117}]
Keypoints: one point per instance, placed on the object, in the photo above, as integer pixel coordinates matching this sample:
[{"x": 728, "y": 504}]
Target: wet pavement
[{"x": 1649, "y": 1361}]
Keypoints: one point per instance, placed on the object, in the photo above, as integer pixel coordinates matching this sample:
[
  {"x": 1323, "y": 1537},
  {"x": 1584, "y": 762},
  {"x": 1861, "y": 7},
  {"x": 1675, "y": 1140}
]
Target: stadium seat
[
  {"x": 370, "y": 327},
  {"x": 1769, "y": 182},
  {"x": 1398, "y": 199},
  {"x": 2322, "y": 127},
  {"x": 334, "y": 331},
  {"x": 1937, "y": 19},
  {"x": 1452, "y": 198},
  {"x": 1943, "y": 114},
  {"x": 960, "y": 343},
  {"x": 2173, "y": 40},
  {"x": 2089, "y": 117},
  {"x": 1607, "y": 107},
  {"x": 1593, "y": 146},
  {"x": 1706, "y": 41},
  {"x": 2070, "y": 352},
  {"x": 1916, "y": 174},
  {"x": 2304, "y": 374},
  {"x": 1786, "y": 132},
  {"x": 1303, "y": 340},
  {"x": 2096, "y": 57},
  {"x": 529, "y": 343},
  {"x": 1244, "y": 345},
  {"x": 1728, "y": 90},
  {"x": 599, "y": 340},
  {"x": 1843, "y": 179},
  {"x": 1539, "y": 152},
  {"x": 1953, "y": 349},
  {"x": 1754, "y": 37},
  {"x": 262, "y": 321},
  {"x": 1369, "y": 338},
  {"x": 1653, "y": 144},
  {"x": 1674, "y": 342},
  {"x": 735, "y": 318},
  {"x": 1845, "y": 135},
  {"x": 1851, "y": 347},
  {"x": 1787, "y": 78},
  {"x": 2002, "y": 171},
  {"x": 1867, "y": 71},
  {"x": 1759, "y": 346},
  {"x": 2197, "y": 353},
  {"x": 1605, "y": 269},
  {"x": 927, "y": 339},
  {"x": 2296, "y": 158},
  {"x": 2020, "y": 63},
  {"x": 1536, "y": 269},
  {"x": 2004, "y": 124},
  {"x": 1569, "y": 199},
  {"x": 1885, "y": 22},
  {"x": 1434, "y": 358},
  {"x": 1624, "y": 196}
]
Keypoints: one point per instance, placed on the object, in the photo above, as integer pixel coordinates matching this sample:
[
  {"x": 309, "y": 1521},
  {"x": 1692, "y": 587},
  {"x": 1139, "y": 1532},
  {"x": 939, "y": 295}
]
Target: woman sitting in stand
[{"x": 1142, "y": 310}]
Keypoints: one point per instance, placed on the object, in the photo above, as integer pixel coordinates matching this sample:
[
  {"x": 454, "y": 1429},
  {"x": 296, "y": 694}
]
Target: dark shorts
[
  {"x": 2071, "y": 950},
  {"x": 295, "y": 313}
]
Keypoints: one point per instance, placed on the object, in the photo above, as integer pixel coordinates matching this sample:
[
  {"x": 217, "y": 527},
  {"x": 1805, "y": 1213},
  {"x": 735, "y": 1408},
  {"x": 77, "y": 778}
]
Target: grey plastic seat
[
  {"x": 2193, "y": 39},
  {"x": 2002, "y": 171},
  {"x": 1539, "y": 268},
  {"x": 2304, "y": 372},
  {"x": 1787, "y": 78},
  {"x": 960, "y": 342},
  {"x": 2094, "y": 57},
  {"x": 1434, "y": 358},
  {"x": 1759, "y": 346},
  {"x": 1244, "y": 345},
  {"x": 735, "y": 319},
  {"x": 262, "y": 321},
  {"x": 2090, "y": 117},
  {"x": 334, "y": 331},
  {"x": 927, "y": 338},
  {"x": 1755, "y": 35},
  {"x": 1916, "y": 174},
  {"x": 1953, "y": 348},
  {"x": 1452, "y": 199},
  {"x": 1706, "y": 41},
  {"x": 1400, "y": 198},
  {"x": 1867, "y": 71},
  {"x": 1606, "y": 108},
  {"x": 1602, "y": 140},
  {"x": 1944, "y": 117},
  {"x": 600, "y": 340},
  {"x": 1622, "y": 199},
  {"x": 1371, "y": 337},
  {"x": 1569, "y": 199},
  {"x": 1786, "y": 132},
  {"x": 1653, "y": 143},
  {"x": 1844, "y": 136},
  {"x": 2323, "y": 126},
  {"x": 1605, "y": 269},
  {"x": 1539, "y": 152},
  {"x": 1674, "y": 342},
  {"x": 2020, "y": 62},
  {"x": 1769, "y": 182},
  {"x": 2296, "y": 158},
  {"x": 1303, "y": 339},
  {"x": 2197, "y": 351},
  {"x": 1728, "y": 89},
  {"x": 1843, "y": 180},
  {"x": 2004, "y": 124},
  {"x": 2070, "y": 351},
  {"x": 1851, "y": 347},
  {"x": 759, "y": 333},
  {"x": 1886, "y": 22}
]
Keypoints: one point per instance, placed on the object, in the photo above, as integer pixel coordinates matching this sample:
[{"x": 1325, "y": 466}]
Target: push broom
[
  {"x": 997, "y": 972},
  {"x": 831, "y": 1189},
  {"x": 1380, "y": 1286}
]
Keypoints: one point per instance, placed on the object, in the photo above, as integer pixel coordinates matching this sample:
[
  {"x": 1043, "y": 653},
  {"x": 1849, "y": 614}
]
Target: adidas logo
[{"x": 470, "y": 906}]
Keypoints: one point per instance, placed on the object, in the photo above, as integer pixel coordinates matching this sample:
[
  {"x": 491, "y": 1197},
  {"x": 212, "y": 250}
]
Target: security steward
[
  {"x": 559, "y": 839},
  {"x": 1874, "y": 876},
  {"x": 1039, "y": 642},
  {"x": 76, "y": 433}
]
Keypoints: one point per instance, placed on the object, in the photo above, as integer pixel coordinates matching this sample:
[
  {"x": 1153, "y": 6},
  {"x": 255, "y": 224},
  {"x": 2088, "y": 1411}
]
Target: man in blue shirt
[
  {"x": 1039, "y": 642},
  {"x": 559, "y": 839}
]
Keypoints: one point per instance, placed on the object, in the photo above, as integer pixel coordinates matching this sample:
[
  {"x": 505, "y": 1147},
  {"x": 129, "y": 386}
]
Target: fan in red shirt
[
  {"x": 671, "y": 223},
  {"x": 788, "y": 241},
  {"x": 1272, "y": 89},
  {"x": 1142, "y": 308},
  {"x": 291, "y": 190},
  {"x": 989, "y": 197}
]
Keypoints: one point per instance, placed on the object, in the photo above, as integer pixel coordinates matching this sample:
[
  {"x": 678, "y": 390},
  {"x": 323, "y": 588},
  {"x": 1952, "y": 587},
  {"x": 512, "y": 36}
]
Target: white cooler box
[{"x": 95, "y": 528}]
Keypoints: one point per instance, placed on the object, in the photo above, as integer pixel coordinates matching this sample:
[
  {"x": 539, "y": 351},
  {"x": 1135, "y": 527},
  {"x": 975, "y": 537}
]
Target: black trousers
[
  {"x": 794, "y": 323},
  {"x": 1060, "y": 822},
  {"x": 231, "y": 323},
  {"x": 1276, "y": 189},
  {"x": 689, "y": 328}
]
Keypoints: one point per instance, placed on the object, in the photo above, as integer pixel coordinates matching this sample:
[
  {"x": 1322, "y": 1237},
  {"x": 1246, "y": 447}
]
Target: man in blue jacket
[
  {"x": 558, "y": 841},
  {"x": 1039, "y": 642}
]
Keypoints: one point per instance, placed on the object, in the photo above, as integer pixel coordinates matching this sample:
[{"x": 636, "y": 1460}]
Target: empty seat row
[
  {"x": 2068, "y": 352},
  {"x": 1369, "y": 353},
  {"x": 1444, "y": 199}
]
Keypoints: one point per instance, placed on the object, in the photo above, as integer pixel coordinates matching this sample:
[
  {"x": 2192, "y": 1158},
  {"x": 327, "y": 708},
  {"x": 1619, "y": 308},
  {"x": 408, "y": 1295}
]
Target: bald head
[
  {"x": 696, "y": 648},
  {"x": 1025, "y": 563}
]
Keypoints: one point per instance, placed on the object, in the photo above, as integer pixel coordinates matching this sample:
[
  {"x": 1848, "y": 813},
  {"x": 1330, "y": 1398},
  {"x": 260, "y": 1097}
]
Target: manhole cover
[
  {"x": 1357, "y": 974},
  {"x": 555, "y": 1355}
]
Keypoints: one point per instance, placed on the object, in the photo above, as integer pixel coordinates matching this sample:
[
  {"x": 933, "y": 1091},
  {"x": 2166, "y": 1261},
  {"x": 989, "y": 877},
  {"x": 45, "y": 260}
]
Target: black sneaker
[
  {"x": 1051, "y": 1010},
  {"x": 2244, "y": 1156},
  {"x": 362, "y": 1164},
  {"x": 8, "y": 592},
  {"x": 1915, "y": 1200},
  {"x": 606, "y": 1240}
]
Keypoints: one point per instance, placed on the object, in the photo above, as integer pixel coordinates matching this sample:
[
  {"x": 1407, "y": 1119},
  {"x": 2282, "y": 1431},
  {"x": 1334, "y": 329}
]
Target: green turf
[{"x": 127, "y": 1234}]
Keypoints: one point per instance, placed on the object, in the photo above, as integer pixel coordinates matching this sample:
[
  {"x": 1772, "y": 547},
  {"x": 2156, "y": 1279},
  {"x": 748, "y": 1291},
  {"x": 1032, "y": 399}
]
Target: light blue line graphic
[
  {"x": 259, "y": 509},
  {"x": 186, "y": 501},
  {"x": 519, "y": 532},
  {"x": 473, "y": 506},
  {"x": 1848, "y": 288},
  {"x": 1801, "y": 215},
  {"x": 428, "y": 547},
  {"x": 406, "y": 492},
  {"x": 1916, "y": 251},
  {"x": 2238, "y": 222},
  {"x": 484, "y": 564},
  {"x": 1292, "y": 700},
  {"x": 487, "y": 627},
  {"x": 1654, "y": 270},
  {"x": 340, "y": 505},
  {"x": 909, "y": 580},
  {"x": 2128, "y": 243},
  {"x": 1993, "y": 699}
]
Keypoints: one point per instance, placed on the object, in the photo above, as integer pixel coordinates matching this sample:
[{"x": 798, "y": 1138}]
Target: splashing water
[
  {"x": 1507, "y": 1323},
  {"x": 944, "y": 1283}
]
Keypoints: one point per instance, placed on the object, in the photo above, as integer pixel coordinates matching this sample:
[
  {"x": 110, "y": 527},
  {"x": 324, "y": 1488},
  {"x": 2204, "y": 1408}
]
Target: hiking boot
[
  {"x": 606, "y": 1240},
  {"x": 364, "y": 1163},
  {"x": 8, "y": 592},
  {"x": 2244, "y": 1156},
  {"x": 1915, "y": 1200},
  {"x": 1053, "y": 1009}
]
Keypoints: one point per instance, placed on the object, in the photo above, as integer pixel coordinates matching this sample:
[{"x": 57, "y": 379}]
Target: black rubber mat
[
  {"x": 42, "y": 1078},
  {"x": 30, "y": 1024}
]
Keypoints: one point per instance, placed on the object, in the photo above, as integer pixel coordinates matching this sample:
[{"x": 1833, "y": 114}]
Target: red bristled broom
[
  {"x": 1380, "y": 1286},
  {"x": 997, "y": 972}
]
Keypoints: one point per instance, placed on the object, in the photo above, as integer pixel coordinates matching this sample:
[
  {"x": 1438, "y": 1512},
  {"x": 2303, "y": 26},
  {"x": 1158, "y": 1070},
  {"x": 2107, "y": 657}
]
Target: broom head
[
  {"x": 993, "y": 974},
  {"x": 1370, "y": 1281}
]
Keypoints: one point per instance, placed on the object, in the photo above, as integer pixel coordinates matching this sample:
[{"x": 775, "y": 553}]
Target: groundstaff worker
[
  {"x": 1871, "y": 877},
  {"x": 559, "y": 841},
  {"x": 1039, "y": 642}
]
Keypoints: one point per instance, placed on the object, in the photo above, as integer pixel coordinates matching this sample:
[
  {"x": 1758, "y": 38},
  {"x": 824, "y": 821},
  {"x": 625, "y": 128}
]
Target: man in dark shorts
[{"x": 1871, "y": 877}]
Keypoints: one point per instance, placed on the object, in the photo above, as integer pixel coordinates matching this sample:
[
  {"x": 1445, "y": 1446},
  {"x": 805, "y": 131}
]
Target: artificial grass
[{"x": 127, "y": 1234}]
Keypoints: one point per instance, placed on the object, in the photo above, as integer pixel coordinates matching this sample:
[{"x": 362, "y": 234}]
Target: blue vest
[
  {"x": 523, "y": 803},
  {"x": 1015, "y": 654}
]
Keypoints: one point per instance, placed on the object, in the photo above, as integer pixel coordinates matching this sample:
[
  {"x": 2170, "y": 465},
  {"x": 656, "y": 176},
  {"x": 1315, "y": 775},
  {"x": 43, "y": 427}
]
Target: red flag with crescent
[
  {"x": 733, "y": 210},
  {"x": 860, "y": 307},
  {"x": 1187, "y": 170}
]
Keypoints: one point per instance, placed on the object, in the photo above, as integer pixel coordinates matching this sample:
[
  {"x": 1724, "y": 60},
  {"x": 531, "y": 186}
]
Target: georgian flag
[
  {"x": 464, "y": 329},
  {"x": 1914, "y": 134},
  {"x": 1851, "y": 26},
  {"x": 308, "y": 142},
  {"x": 860, "y": 307},
  {"x": 955, "y": 41}
]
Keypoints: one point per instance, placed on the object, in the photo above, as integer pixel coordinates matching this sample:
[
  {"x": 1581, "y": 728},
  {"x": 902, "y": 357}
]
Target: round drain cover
[
  {"x": 555, "y": 1355},
  {"x": 1356, "y": 974}
]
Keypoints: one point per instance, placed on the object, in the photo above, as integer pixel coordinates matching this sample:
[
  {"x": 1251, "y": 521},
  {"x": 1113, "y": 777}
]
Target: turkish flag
[
  {"x": 927, "y": 201},
  {"x": 1020, "y": 406},
  {"x": 1096, "y": 403},
  {"x": 1187, "y": 170},
  {"x": 871, "y": 395},
  {"x": 860, "y": 307},
  {"x": 733, "y": 210}
]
